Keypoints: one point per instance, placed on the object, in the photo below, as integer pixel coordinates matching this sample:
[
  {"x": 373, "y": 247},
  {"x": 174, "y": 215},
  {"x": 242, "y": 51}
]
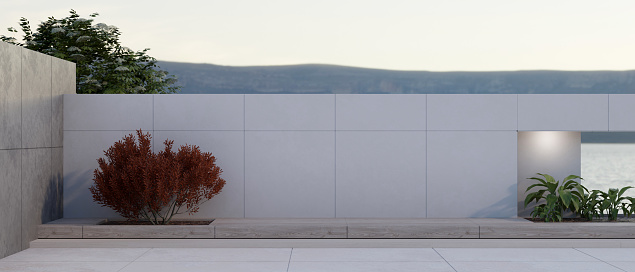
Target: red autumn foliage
[{"x": 139, "y": 184}]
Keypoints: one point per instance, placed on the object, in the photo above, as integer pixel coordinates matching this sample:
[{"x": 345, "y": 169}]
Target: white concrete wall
[
  {"x": 471, "y": 155},
  {"x": 563, "y": 112},
  {"x": 337, "y": 155}
]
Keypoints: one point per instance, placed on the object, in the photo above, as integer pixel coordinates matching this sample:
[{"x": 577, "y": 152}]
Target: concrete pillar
[{"x": 556, "y": 153}]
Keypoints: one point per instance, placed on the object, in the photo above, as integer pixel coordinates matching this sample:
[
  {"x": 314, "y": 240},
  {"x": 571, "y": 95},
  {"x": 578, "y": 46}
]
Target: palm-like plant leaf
[
  {"x": 558, "y": 196},
  {"x": 624, "y": 190},
  {"x": 541, "y": 183},
  {"x": 572, "y": 177},
  {"x": 565, "y": 197}
]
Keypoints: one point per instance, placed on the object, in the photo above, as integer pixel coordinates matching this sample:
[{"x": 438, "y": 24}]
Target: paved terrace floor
[
  {"x": 303, "y": 259},
  {"x": 324, "y": 254}
]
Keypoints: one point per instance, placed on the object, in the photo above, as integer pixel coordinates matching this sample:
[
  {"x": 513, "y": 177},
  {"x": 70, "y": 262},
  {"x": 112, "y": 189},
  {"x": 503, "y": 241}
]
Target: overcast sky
[{"x": 441, "y": 35}]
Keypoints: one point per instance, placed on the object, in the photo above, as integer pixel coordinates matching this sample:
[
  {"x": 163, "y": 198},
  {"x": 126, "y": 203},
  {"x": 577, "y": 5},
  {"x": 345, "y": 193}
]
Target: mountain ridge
[{"x": 326, "y": 78}]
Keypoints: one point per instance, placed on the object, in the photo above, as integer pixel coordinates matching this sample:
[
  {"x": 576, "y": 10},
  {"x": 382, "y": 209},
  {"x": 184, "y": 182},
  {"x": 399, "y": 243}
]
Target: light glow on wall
[{"x": 550, "y": 143}]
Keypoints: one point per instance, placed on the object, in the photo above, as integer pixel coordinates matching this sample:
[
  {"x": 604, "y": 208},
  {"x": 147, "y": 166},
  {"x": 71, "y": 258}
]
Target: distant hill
[
  {"x": 611, "y": 137},
  {"x": 328, "y": 79}
]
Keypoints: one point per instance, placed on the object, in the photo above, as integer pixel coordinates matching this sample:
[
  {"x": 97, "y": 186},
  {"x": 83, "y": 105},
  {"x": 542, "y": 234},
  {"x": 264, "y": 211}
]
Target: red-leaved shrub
[{"x": 139, "y": 184}]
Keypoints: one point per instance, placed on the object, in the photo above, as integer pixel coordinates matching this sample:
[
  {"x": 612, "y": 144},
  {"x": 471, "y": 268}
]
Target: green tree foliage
[{"x": 103, "y": 64}]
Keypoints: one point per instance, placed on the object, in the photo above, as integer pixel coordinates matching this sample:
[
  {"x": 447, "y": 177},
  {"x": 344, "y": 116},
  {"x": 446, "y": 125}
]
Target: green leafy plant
[
  {"x": 103, "y": 65},
  {"x": 613, "y": 201},
  {"x": 550, "y": 211},
  {"x": 589, "y": 204},
  {"x": 558, "y": 197},
  {"x": 139, "y": 184}
]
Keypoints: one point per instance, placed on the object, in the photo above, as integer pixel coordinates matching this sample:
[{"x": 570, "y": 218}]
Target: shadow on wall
[
  {"x": 52, "y": 208},
  {"x": 501, "y": 206},
  {"x": 80, "y": 201}
]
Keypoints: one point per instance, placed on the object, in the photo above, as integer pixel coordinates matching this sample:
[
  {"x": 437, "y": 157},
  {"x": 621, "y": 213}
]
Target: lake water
[{"x": 607, "y": 166}]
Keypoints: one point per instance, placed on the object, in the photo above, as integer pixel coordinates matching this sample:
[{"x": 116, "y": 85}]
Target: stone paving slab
[{"x": 332, "y": 259}]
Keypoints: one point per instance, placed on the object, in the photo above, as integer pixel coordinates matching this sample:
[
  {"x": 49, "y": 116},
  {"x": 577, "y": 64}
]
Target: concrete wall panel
[
  {"x": 199, "y": 112},
  {"x": 556, "y": 153},
  {"x": 36, "y": 100},
  {"x": 30, "y": 127},
  {"x": 290, "y": 174},
  {"x": 564, "y": 112},
  {"x": 10, "y": 97},
  {"x": 471, "y": 174},
  {"x": 381, "y": 112},
  {"x": 621, "y": 112},
  {"x": 108, "y": 112},
  {"x": 381, "y": 174},
  {"x": 289, "y": 112},
  {"x": 472, "y": 112},
  {"x": 228, "y": 148},
  {"x": 81, "y": 151},
  {"x": 10, "y": 201},
  {"x": 38, "y": 192},
  {"x": 63, "y": 73}
]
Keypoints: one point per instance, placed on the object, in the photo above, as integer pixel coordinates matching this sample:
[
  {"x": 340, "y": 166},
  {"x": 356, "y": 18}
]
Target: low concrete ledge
[
  {"x": 59, "y": 232},
  {"x": 412, "y": 231},
  {"x": 341, "y": 228},
  {"x": 147, "y": 232},
  {"x": 307, "y": 231},
  {"x": 560, "y": 231},
  {"x": 66, "y": 228},
  {"x": 280, "y": 228}
]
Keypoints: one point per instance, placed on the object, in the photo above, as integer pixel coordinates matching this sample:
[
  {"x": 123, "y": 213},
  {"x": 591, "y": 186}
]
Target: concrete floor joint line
[
  {"x": 446, "y": 261},
  {"x": 598, "y": 259}
]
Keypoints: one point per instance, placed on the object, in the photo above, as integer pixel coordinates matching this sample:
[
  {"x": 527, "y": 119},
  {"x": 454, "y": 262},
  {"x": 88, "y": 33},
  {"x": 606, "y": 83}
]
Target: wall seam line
[
  {"x": 21, "y": 202},
  {"x": 21, "y": 100},
  {"x": 153, "y": 146},
  {"x": 517, "y": 158},
  {"x": 50, "y": 218},
  {"x": 21, "y": 145},
  {"x": 51, "y": 102},
  {"x": 426, "y": 105},
  {"x": 153, "y": 113},
  {"x": 517, "y": 110},
  {"x": 244, "y": 158},
  {"x": 335, "y": 153}
]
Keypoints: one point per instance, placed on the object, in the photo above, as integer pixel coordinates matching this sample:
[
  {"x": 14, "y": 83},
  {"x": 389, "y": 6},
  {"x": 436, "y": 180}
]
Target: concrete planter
[{"x": 341, "y": 228}]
